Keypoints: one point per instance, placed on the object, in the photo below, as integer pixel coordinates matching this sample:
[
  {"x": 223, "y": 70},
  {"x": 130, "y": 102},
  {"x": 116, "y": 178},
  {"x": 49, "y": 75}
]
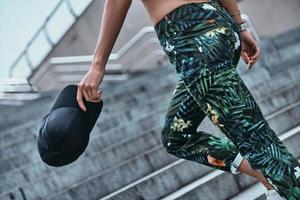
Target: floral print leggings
[{"x": 202, "y": 42}]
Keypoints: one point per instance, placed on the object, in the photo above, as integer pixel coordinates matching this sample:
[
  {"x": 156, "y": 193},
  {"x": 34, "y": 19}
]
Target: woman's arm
[
  {"x": 112, "y": 20},
  {"x": 250, "y": 50},
  {"x": 233, "y": 9}
]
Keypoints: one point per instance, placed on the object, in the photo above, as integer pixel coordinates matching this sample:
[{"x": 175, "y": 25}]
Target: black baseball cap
[{"x": 64, "y": 132}]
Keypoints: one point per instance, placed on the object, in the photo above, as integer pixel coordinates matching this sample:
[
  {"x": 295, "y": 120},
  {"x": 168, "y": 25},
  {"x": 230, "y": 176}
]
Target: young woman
[{"x": 204, "y": 40}]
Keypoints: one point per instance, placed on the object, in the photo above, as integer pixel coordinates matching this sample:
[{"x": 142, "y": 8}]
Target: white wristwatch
[{"x": 242, "y": 26}]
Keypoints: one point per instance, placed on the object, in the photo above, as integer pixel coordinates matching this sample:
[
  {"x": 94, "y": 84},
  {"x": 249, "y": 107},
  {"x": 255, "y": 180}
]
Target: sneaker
[{"x": 273, "y": 195}]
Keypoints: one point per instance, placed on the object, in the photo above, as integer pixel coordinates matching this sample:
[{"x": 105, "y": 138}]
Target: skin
[{"x": 113, "y": 18}]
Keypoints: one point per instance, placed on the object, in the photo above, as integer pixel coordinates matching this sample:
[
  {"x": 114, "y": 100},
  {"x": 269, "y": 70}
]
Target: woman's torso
[{"x": 157, "y": 9}]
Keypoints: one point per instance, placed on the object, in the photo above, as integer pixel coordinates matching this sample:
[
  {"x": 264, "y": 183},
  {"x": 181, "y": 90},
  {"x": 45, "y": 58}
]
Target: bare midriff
[{"x": 157, "y": 9}]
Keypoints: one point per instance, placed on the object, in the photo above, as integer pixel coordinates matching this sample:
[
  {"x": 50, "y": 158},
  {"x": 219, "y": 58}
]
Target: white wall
[
  {"x": 82, "y": 37},
  {"x": 271, "y": 17}
]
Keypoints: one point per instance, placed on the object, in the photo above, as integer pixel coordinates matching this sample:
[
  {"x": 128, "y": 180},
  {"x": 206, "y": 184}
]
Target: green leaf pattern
[{"x": 202, "y": 43}]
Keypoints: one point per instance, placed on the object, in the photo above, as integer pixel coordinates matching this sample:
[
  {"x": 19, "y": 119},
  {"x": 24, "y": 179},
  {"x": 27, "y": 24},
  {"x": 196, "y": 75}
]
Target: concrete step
[
  {"x": 132, "y": 98},
  {"x": 122, "y": 150},
  {"x": 193, "y": 190},
  {"x": 258, "y": 76},
  {"x": 79, "y": 186},
  {"x": 268, "y": 104},
  {"x": 15, "y": 155},
  {"x": 287, "y": 57},
  {"x": 283, "y": 81},
  {"x": 172, "y": 183},
  {"x": 254, "y": 192},
  {"x": 32, "y": 176},
  {"x": 20, "y": 114},
  {"x": 211, "y": 186},
  {"x": 26, "y": 142},
  {"x": 255, "y": 76},
  {"x": 106, "y": 187},
  {"x": 34, "y": 171},
  {"x": 109, "y": 110},
  {"x": 288, "y": 38},
  {"x": 17, "y": 115},
  {"x": 214, "y": 188},
  {"x": 282, "y": 51},
  {"x": 151, "y": 159},
  {"x": 95, "y": 148},
  {"x": 280, "y": 41},
  {"x": 112, "y": 114},
  {"x": 277, "y": 83}
]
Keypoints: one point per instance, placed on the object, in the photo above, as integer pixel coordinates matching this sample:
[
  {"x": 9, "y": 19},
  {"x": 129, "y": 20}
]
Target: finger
[
  {"x": 254, "y": 60},
  {"x": 250, "y": 65},
  {"x": 256, "y": 54},
  {"x": 83, "y": 90},
  {"x": 250, "y": 61},
  {"x": 246, "y": 53},
  {"x": 96, "y": 99},
  {"x": 95, "y": 94},
  {"x": 89, "y": 92},
  {"x": 79, "y": 99},
  {"x": 92, "y": 96}
]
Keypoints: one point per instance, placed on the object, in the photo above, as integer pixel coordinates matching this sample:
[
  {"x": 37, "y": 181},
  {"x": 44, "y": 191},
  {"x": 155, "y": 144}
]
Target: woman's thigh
[{"x": 182, "y": 118}]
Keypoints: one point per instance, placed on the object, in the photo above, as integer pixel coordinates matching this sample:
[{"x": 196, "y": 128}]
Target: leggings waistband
[
  {"x": 188, "y": 15},
  {"x": 172, "y": 12}
]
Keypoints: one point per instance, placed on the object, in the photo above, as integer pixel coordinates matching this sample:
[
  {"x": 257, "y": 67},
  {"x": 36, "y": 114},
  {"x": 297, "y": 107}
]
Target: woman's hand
[
  {"x": 88, "y": 86},
  {"x": 250, "y": 50}
]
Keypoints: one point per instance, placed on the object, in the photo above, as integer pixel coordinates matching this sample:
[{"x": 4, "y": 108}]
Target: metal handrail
[
  {"x": 42, "y": 30},
  {"x": 113, "y": 56}
]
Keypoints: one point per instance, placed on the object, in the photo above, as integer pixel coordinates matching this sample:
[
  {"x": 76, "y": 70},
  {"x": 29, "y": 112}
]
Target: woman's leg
[
  {"x": 224, "y": 97},
  {"x": 181, "y": 138},
  {"x": 202, "y": 42},
  {"x": 182, "y": 106}
]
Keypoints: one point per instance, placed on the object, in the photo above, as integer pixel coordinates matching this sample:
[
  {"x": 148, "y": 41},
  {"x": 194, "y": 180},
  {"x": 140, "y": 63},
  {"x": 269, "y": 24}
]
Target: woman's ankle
[{"x": 246, "y": 168}]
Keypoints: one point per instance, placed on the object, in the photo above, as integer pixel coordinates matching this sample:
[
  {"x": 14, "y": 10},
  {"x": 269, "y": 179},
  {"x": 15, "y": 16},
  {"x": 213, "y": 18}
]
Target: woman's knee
[
  {"x": 170, "y": 140},
  {"x": 175, "y": 132}
]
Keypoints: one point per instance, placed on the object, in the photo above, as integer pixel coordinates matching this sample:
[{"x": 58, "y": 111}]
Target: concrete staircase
[{"x": 125, "y": 158}]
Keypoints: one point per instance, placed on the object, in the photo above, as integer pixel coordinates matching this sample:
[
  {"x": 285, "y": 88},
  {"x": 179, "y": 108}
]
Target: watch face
[{"x": 243, "y": 26}]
